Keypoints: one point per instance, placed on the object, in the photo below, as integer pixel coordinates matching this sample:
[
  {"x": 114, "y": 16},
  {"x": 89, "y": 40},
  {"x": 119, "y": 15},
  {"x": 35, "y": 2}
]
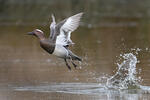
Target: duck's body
[
  {"x": 57, "y": 50},
  {"x": 59, "y": 40},
  {"x": 52, "y": 48},
  {"x": 61, "y": 51}
]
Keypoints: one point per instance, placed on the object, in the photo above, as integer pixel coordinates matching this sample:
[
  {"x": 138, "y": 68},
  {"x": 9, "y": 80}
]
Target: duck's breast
[{"x": 47, "y": 46}]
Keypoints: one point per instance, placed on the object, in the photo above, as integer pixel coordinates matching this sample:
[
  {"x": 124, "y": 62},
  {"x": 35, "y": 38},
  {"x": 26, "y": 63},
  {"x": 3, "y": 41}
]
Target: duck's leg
[
  {"x": 75, "y": 66},
  {"x": 67, "y": 64}
]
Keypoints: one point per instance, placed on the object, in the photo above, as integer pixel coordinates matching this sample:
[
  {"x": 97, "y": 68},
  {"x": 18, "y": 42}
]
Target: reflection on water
[{"x": 108, "y": 29}]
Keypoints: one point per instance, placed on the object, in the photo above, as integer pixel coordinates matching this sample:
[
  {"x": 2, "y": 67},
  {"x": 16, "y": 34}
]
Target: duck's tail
[{"x": 74, "y": 57}]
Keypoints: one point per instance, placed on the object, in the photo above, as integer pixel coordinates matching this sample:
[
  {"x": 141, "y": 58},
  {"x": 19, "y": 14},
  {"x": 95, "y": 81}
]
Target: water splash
[
  {"x": 124, "y": 81},
  {"x": 126, "y": 75}
]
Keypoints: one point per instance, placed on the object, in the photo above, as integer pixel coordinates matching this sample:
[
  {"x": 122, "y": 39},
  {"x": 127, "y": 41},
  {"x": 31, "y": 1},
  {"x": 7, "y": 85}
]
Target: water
[
  {"x": 124, "y": 82},
  {"x": 113, "y": 41},
  {"x": 125, "y": 77}
]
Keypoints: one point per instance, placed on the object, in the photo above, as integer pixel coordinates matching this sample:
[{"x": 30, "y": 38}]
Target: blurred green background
[{"x": 97, "y": 12}]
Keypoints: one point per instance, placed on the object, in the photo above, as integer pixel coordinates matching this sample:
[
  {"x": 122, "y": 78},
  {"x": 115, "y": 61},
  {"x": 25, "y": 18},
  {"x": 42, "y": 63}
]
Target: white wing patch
[
  {"x": 61, "y": 39},
  {"x": 69, "y": 26}
]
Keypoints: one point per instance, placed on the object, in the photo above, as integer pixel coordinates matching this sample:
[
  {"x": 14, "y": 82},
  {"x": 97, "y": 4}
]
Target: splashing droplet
[{"x": 126, "y": 75}]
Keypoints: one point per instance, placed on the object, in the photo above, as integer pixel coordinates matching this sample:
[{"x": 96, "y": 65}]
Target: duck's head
[{"x": 38, "y": 33}]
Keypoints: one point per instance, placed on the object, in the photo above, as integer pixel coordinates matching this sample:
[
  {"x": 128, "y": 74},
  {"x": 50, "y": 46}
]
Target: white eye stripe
[{"x": 39, "y": 30}]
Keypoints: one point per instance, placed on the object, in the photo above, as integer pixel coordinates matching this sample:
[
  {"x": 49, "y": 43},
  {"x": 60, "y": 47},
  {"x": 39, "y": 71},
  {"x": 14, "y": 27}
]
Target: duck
[{"x": 59, "y": 40}]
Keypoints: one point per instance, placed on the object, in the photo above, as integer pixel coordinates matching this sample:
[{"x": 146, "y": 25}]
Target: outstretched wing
[
  {"x": 65, "y": 27},
  {"x": 52, "y": 28}
]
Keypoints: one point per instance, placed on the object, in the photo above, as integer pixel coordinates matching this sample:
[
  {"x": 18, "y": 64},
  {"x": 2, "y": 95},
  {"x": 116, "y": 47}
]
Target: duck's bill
[{"x": 30, "y": 33}]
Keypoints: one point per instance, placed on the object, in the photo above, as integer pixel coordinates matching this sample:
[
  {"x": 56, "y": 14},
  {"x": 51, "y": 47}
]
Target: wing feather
[
  {"x": 70, "y": 24},
  {"x": 52, "y": 28}
]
